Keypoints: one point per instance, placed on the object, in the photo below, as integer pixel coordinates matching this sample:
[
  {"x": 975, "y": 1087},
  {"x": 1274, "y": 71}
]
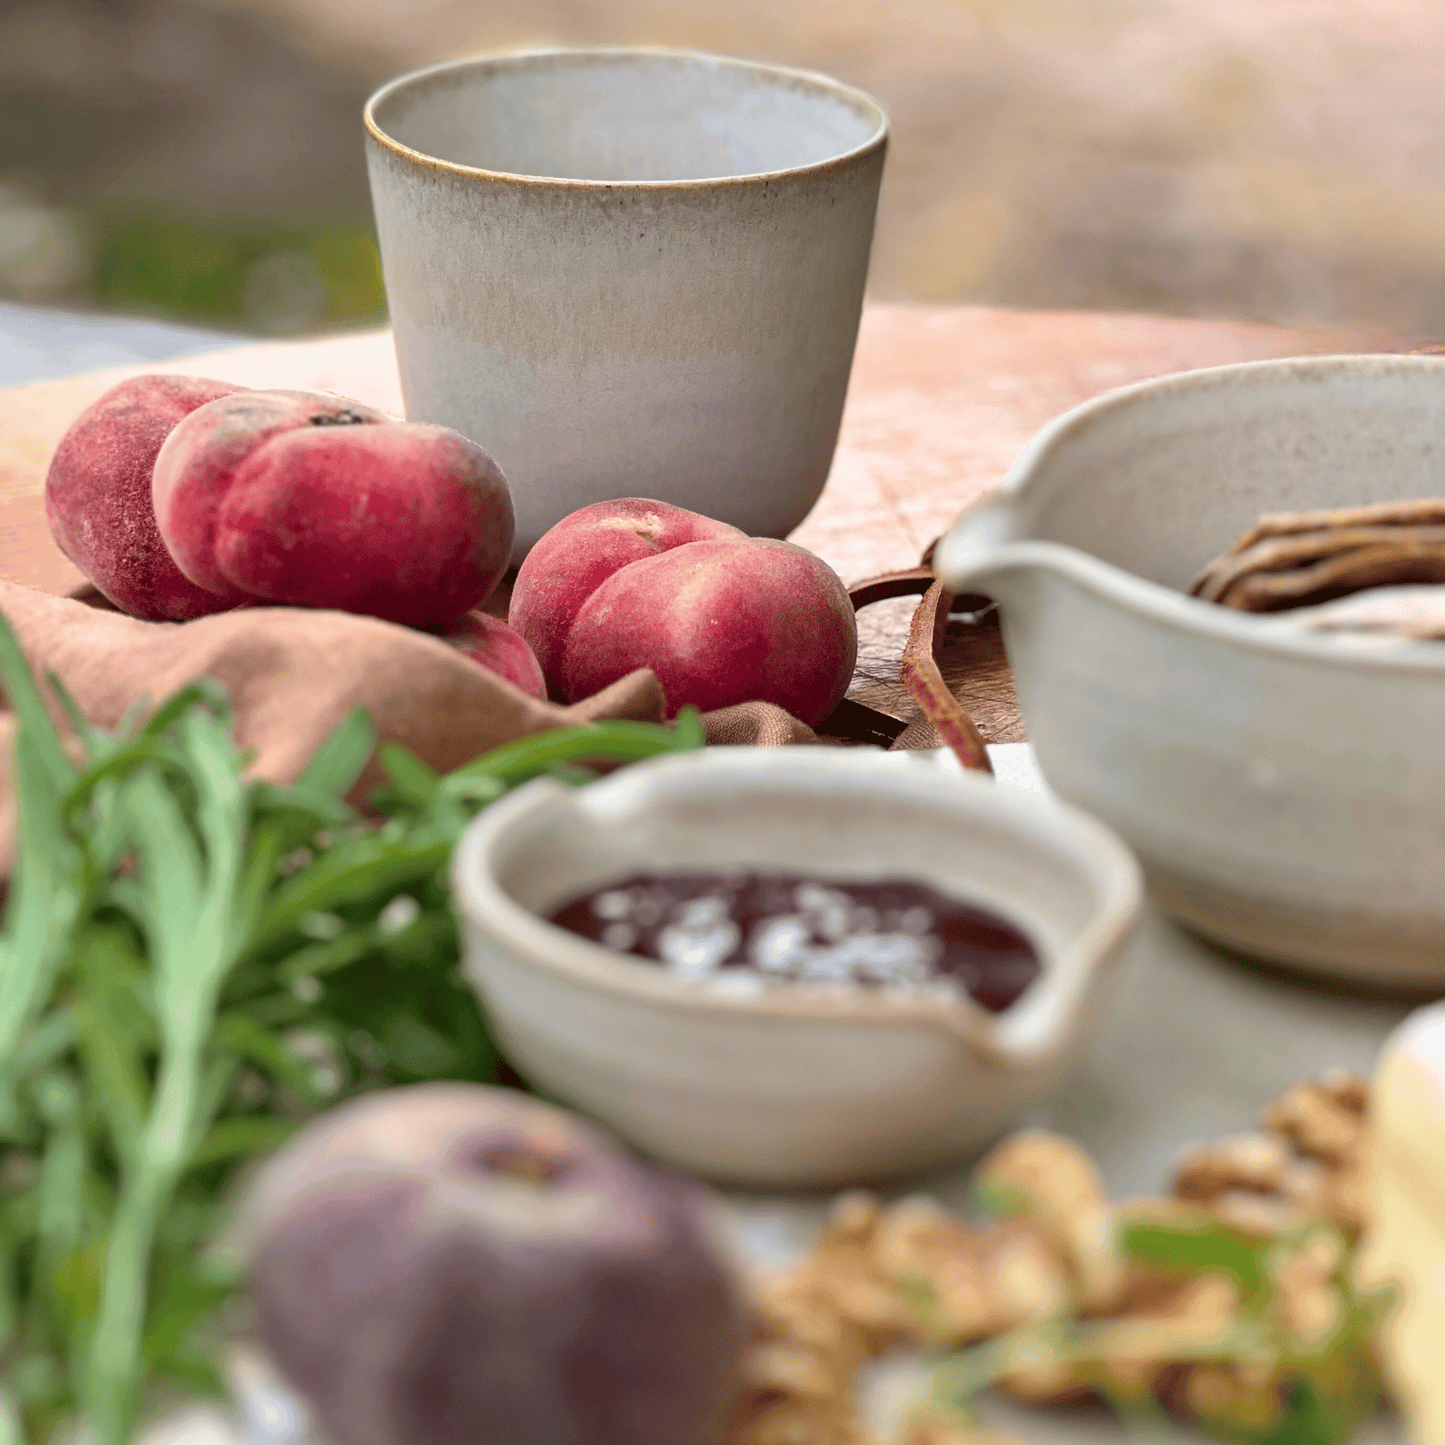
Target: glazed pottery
[
  {"x": 788, "y": 1084},
  {"x": 1285, "y": 790},
  {"x": 629, "y": 272}
]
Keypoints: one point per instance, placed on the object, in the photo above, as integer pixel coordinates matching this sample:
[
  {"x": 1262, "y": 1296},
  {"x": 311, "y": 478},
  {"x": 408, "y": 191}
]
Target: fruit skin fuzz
[
  {"x": 447, "y": 1263},
  {"x": 98, "y": 497},
  {"x": 720, "y": 617},
  {"x": 308, "y": 500},
  {"x": 492, "y": 644}
]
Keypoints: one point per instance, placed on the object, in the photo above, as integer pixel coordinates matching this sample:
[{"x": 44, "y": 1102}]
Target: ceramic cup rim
[
  {"x": 1090, "y": 849},
  {"x": 541, "y": 57}
]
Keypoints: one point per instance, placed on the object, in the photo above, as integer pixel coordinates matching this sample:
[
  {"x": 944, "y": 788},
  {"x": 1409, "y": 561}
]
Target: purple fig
[{"x": 447, "y": 1264}]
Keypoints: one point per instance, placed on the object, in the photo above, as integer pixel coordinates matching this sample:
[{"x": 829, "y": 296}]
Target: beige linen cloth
[{"x": 294, "y": 675}]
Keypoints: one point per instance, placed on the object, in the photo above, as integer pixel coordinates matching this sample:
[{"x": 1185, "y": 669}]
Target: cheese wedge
[{"x": 1405, "y": 1243}]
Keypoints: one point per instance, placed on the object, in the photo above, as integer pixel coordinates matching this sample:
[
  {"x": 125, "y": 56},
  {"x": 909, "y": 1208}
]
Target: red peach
[
  {"x": 449, "y": 1264},
  {"x": 313, "y": 501},
  {"x": 720, "y": 623},
  {"x": 719, "y": 617},
  {"x": 490, "y": 643},
  {"x": 582, "y": 551},
  {"x": 194, "y": 478},
  {"x": 98, "y": 497}
]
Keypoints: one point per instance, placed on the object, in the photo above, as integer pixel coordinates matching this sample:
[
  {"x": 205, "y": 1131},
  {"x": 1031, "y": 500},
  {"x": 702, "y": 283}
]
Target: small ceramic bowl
[
  {"x": 788, "y": 1085},
  {"x": 1285, "y": 790}
]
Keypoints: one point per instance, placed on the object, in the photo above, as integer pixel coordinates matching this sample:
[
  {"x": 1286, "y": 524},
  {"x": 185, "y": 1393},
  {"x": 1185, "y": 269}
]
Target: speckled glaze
[
  {"x": 629, "y": 272},
  {"x": 1285, "y": 791},
  {"x": 793, "y": 1086}
]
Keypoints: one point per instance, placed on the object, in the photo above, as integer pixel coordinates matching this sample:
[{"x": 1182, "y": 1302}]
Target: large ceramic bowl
[
  {"x": 787, "y": 1085},
  {"x": 1285, "y": 791}
]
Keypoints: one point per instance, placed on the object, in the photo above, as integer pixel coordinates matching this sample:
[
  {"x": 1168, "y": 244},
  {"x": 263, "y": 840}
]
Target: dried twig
[{"x": 1297, "y": 559}]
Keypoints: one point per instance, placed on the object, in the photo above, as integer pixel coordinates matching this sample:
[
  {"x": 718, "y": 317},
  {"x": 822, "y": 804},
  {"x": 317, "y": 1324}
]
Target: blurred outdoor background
[{"x": 201, "y": 160}]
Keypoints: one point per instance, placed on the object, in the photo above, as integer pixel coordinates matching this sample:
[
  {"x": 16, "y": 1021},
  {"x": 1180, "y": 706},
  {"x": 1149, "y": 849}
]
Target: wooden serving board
[{"x": 942, "y": 400}]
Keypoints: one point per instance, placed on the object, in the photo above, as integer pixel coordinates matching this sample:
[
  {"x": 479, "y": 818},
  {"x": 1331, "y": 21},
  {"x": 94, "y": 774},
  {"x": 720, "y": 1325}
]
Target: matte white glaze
[
  {"x": 629, "y": 272},
  {"x": 1284, "y": 790},
  {"x": 788, "y": 1086}
]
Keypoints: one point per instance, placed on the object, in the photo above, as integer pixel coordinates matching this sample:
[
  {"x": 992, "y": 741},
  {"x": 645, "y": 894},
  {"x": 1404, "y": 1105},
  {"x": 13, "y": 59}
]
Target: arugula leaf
[
  {"x": 1316, "y": 1391},
  {"x": 47, "y": 898},
  {"x": 1199, "y": 1246},
  {"x": 337, "y": 764}
]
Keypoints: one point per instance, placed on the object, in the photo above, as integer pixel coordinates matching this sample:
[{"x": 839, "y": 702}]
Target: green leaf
[
  {"x": 237, "y": 1138},
  {"x": 45, "y": 1041},
  {"x": 168, "y": 888},
  {"x": 192, "y": 1371},
  {"x": 121, "y": 763},
  {"x": 189, "y": 904},
  {"x": 106, "y": 826},
  {"x": 573, "y": 774},
  {"x": 76, "y": 1284},
  {"x": 319, "y": 959},
  {"x": 62, "y": 1172},
  {"x": 475, "y": 790},
  {"x": 30, "y": 711},
  {"x": 417, "y": 1051},
  {"x": 205, "y": 693},
  {"x": 352, "y": 871},
  {"x": 181, "y": 1296},
  {"x": 213, "y": 1086},
  {"x": 1199, "y": 1246},
  {"x": 688, "y": 733},
  {"x": 527, "y": 757},
  {"x": 339, "y": 761},
  {"x": 115, "y": 1034},
  {"x": 267, "y": 843},
  {"x": 1310, "y": 1417},
  {"x": 242, "y": 1036},
  {"x": 306, "y": 809},
  {"x": 12, "y": 1424},
  {"x": 33, "y": 1378},
  {"x": 92, "y": 739},
  {"x": 416, "y": 783},
  {"x": 47, "y": 896}
]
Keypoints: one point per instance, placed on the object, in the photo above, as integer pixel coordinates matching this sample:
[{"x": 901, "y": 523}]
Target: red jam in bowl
[{"x": 781, "y": 927}]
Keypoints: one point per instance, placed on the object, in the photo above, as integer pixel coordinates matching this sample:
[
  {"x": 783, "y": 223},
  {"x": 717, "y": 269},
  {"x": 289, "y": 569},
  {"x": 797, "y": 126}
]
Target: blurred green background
[
  {"x": 166, "y": 158},
  {"x": 201, "y": 159}
]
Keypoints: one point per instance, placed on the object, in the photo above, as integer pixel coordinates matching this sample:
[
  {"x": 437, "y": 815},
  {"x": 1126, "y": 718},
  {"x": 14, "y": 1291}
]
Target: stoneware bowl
[
  {"x": 1285, "y": 790},
  {"x": 629, "y": 272},
  {"x": 788, "y": 1085}
]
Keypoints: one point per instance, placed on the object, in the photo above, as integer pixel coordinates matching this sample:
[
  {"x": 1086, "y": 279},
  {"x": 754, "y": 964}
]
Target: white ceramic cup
[{"x": 629, "y": 272}]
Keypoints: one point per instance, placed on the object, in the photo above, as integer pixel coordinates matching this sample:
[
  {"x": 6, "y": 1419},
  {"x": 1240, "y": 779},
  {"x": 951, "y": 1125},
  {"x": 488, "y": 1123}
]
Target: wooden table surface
[{"x": 942, "y": 400}]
